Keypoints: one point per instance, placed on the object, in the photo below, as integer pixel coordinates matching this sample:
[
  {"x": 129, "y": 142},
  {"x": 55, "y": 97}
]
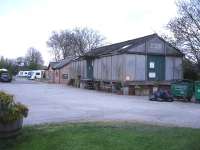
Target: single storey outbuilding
[
  {"x": 50, "y": 73},
  {"x": 62, "y": 71},
  {"x": 58, "y": 72}
]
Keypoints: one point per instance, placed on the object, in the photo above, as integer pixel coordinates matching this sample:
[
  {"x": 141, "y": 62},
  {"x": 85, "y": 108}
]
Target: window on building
[{"x": 65, "y": 76}]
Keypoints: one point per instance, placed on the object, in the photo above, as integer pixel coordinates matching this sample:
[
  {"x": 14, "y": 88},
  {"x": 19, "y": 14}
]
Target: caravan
[
  {"x": 35, "y": 74},
  {"x": 32, "y": 74},
  {"x": 23, "y": 73}
]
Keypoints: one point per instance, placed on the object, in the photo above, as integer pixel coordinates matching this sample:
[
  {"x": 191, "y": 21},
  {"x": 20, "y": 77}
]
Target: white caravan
[
  {"x": 3, "y": 69},
  {"x": 35, "y": 74},
  {"x": 23, "y": 73},
  {"x": 20, "y": 74}
]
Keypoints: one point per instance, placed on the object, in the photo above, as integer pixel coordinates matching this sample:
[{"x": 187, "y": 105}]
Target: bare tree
[
  {"x": 34, "y": 58},
  {"x": 54, "y": 42},
  {"x": 20, "y": 61},
  {"x": 87, "y": 39},
  {"x": 186, "y": 29},
  {"x": 74, "y": 42}
]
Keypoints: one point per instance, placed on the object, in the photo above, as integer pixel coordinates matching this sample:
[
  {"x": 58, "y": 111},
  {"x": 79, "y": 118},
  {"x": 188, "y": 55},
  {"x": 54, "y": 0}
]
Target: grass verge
[{"x": 103, "y": 136}]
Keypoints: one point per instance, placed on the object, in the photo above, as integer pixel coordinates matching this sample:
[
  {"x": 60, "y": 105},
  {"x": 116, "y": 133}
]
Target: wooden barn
[{"x": 135, "y": 66}]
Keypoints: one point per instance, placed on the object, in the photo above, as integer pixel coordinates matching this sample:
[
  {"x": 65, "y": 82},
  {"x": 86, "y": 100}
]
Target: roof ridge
[{"x": 150, "y": 35}]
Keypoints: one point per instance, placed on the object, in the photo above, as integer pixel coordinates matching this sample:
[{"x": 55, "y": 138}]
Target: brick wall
[
  {"x": 64, "y": 75},
  {"x": 50, "y": 75},
  {"x": 57, "y": 76}
]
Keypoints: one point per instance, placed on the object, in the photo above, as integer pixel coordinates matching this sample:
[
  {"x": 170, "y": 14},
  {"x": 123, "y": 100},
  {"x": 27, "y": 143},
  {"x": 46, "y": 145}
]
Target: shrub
[
  {"x": 118, "y": 86},
  {"x": 10, "y": 111}
]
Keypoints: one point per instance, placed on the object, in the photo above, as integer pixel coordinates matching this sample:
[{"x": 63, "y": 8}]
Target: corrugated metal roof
[
  {"x": 122, "y": 47},
  {"x": 62, "y": 63},
  {"x": 117, "y": 48},
  {"x": 52, "y": 64}
]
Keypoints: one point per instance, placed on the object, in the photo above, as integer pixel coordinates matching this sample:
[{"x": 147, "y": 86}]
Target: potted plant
[{"x": 11, "y": 115}]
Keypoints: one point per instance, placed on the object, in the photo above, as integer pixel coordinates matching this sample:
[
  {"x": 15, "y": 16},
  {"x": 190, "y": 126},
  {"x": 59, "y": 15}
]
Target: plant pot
[{"x": 11, "y": 129}]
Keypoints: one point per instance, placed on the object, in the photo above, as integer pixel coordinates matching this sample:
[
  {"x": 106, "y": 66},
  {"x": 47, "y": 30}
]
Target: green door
[
  {"x": 89, "y": 69},
  {"x": 197, "y": 90},
  {"x": 155, "y": 68}
]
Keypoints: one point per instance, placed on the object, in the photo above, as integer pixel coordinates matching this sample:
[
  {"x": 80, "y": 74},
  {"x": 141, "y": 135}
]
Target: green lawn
[{"x": 104, "y": 136}]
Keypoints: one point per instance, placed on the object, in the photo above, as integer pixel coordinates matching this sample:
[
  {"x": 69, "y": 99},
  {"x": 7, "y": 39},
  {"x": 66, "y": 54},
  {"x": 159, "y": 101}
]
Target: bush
[
  {"x": 190, "y": 71},
  {"x": 118, "y": 86},
  {"x": 10, "y": 111}
]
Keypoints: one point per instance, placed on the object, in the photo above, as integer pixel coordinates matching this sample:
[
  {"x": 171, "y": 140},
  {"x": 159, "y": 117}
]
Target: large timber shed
[{"x": 141, "y": 61}]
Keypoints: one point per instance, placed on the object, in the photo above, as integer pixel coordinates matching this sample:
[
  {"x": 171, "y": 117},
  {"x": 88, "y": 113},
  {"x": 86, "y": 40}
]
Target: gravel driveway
[{"x": 59, "y": 103}]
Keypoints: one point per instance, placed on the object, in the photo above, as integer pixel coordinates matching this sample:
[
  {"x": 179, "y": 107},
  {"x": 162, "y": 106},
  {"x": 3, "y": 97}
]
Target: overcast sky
[{"x": 26, "y": 23}]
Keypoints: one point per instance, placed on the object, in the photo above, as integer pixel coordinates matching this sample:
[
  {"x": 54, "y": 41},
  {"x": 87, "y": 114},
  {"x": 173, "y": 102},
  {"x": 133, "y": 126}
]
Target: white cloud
[{"x": 118, "y": 20}]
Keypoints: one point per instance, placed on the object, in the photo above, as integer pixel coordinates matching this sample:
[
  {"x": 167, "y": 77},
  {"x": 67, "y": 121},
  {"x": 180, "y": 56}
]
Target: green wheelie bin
[
  {"x": 182, "y": 89},
  {"x": 197, "y": 91}
]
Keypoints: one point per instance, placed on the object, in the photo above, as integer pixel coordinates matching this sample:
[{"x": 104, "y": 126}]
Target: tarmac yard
[{"x": 60, "y": 103}]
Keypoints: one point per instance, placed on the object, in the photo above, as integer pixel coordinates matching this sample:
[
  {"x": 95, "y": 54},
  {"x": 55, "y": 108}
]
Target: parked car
[{"x": 5, "y": 76}]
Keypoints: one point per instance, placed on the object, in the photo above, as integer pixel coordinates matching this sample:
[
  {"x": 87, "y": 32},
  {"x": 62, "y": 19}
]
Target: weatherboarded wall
[
  {"x": 133, "y": 68},
  {"x": 123, "y": 67},
  {"x": 155, "y": 45},
  {"x": 77, "y": 68},
  {"x": 109, "y": 68},
  {"x": 120, "y": 67},
  {"x": 173, "y": 68}
]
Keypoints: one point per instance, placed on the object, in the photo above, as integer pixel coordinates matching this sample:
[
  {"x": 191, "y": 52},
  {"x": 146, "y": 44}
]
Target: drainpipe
[{"x": 59, "y": 75}]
